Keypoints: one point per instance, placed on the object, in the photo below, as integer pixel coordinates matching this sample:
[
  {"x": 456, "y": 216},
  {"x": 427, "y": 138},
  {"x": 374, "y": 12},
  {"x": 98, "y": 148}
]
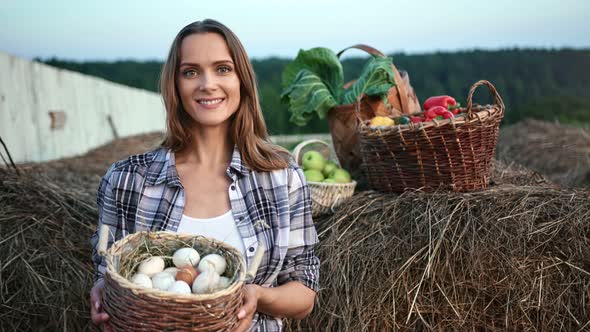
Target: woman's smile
[{"x": 210, "y": 103}]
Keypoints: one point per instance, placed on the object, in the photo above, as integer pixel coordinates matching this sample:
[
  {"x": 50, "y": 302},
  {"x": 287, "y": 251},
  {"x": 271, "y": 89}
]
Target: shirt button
[
  {"x": 233, "y": 187},
  {"x": 251, "y": 249}
]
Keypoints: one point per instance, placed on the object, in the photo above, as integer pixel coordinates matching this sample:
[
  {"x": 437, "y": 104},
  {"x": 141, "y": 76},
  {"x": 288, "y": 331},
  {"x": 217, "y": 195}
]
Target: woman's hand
[
  {"x": 98, "y": 316},
  {"x": 246, "y": 313}
]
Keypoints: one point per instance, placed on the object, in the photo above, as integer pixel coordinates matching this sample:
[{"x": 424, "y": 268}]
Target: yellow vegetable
[{"x": 382, "y": 121}]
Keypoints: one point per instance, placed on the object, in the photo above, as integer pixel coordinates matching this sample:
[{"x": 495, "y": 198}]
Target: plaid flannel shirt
[{"x": 144, "y": 192}]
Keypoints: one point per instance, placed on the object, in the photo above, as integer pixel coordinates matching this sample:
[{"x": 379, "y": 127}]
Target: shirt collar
[
  {"x": 163, "y": 167},
  {"x": 237, "y": 163}
]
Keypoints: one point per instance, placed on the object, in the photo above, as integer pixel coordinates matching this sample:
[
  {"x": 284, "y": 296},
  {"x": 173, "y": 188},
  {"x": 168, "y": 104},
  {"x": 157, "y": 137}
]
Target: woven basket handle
[
  {"x": 497, "y": 98},
  {"x": 399, "y": 82},
  {"x": 301, "y": 145},
  {"x": 363, "y": 47}
]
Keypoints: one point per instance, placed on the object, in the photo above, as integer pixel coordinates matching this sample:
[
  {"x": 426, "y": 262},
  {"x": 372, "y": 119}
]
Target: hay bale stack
[
  {"x": 509, "y": 255},
  {"x": 47, "y": 215},
  {"x": 508, "y": 258},
  {"x": 517, "y": 175},
  {"x": 89, "y": 167},
  {"x": 45, "y": 267},
  {"x": 560, "y": 152}
]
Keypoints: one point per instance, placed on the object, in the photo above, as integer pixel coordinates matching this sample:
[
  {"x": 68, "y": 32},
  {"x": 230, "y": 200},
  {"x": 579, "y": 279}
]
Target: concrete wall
[{"x": 29, "y": 91}]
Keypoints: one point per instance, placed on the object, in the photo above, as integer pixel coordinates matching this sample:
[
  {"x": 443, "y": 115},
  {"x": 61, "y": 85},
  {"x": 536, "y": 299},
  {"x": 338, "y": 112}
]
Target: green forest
[{"x": 552, "y": 85}]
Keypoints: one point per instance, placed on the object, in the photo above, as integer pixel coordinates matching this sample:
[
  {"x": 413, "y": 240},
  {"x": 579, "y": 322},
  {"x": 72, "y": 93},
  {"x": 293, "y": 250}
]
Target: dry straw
[
  {"x": 45, "y": 267},
  {"x": 559, "y": 151},
  {"x": 504, "y": 259},
  {"x": 513, "y": 257}
]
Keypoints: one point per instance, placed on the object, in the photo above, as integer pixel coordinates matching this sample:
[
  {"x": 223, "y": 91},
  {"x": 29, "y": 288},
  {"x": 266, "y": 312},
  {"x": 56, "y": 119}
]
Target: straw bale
[
  {"x": 559, "y": 152},
  {"x": 513, "y": 257},
  {"x": 45, "y": 267},
  {"x": 508, "y": 258},
  {"x": 47, "y": 215},
  {"x": 89, "y": 167}
]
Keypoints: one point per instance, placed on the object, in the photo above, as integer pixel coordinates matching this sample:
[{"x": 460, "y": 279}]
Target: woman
[{"x": 217, "y": 167}]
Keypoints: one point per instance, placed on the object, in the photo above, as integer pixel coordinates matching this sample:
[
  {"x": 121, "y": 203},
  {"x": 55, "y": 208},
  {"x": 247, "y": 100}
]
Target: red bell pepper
[
  {"x": 430, "y": 114},
  {"x": 443, "y": 101},
  {"x": 438, "y": 110},
  {"x": 415, "y": 119}
]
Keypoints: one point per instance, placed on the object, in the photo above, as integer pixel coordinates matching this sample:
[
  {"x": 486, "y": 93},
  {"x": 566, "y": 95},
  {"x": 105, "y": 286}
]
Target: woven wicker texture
[
  {"x": 325, "y": 197},
  {"x": 452, "y": 154},
  {"x": 134, "y": 308},
  {"x": 343, "y": 121}
]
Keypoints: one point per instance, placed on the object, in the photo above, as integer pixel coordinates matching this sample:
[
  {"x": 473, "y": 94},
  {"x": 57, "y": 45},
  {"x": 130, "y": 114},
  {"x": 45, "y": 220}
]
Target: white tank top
[{"x": 222, "y": 228}]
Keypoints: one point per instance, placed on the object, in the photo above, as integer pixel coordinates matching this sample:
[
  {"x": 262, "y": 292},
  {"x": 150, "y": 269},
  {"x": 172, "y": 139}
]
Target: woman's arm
[
  {"x": 107, "y": 215},
  {"x": 291, "y": 300},
  {"x": 298, "y": 279}
]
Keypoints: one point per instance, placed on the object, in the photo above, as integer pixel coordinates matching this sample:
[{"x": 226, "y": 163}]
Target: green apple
[
  {"x": 341, "y": 176},
  {"x": 313, "y": 175},
  {"x": 313, "y": 160},
  {"x": 329, "y": 168},
  {"x": 329, "y": 180}
]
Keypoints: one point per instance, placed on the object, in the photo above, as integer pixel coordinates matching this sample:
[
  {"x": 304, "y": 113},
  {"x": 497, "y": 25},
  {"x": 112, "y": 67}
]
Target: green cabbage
[{"x": 312, "y": 83}]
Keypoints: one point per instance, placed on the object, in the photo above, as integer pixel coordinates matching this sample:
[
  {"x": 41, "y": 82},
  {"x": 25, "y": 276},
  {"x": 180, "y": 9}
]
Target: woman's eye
[
  {"x": 189, "y": 73},
  {"x": 224, "y": 69}
]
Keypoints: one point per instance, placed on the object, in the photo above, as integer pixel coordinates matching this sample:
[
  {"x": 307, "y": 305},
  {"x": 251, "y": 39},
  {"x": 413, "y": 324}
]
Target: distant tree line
[{"x": 550, "y": 85}]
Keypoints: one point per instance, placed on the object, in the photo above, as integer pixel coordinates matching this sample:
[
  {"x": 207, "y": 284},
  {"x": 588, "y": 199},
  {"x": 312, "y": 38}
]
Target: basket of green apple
[{"x": 330, "y": 185}]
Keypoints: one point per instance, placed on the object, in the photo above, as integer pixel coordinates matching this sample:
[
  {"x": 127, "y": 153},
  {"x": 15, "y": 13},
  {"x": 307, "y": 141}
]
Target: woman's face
[{"x": 207, "y": 81}]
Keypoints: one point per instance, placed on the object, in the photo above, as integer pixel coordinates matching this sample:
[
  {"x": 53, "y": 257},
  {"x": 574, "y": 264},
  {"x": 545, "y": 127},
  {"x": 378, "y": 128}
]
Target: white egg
[
  {"x": 171, "y": 271},
  {"x": 151, "y": 266},
  {"x": 223, "y": 283},
  {"x": 142, "y": 280},
  {"x": 206, "y": 282},
  {"x": 185, "y": 256},
  {"x": 162, "y": 280},
  {"x": 179, "y": 287},
  {"x": 212, "y": 262}
]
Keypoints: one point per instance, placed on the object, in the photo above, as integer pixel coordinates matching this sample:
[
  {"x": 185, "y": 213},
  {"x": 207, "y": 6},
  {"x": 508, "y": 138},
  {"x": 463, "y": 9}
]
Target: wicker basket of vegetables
[
  {"x": 445, "y": 147},
  {"x": 164, "y": 281},
  {"x": 329, "y": 184},
  {"x": 314, "y": 86}
]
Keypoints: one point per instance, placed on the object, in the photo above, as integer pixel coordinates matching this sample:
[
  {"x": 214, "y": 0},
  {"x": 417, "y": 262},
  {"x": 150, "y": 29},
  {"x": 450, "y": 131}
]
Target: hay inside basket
[
  {"x": 132, "y": 307},
  {"x": 155, "y": 244}
]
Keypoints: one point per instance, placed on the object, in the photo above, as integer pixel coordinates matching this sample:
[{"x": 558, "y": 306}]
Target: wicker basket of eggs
[{"x": 165, "y": 281}]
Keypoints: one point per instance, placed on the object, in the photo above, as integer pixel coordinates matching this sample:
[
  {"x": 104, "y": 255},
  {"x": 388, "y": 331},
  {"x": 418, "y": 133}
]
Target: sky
[{"x": 112, "y": 30}]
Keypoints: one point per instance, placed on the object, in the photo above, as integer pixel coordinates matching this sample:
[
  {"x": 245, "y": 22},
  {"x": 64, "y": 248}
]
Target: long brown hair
[{"x": 247, "y": 129}]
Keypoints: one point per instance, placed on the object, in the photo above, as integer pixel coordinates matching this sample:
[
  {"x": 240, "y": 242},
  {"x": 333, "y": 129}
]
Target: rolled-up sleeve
[
  {"x": 301, "y": 263},
  {"x": 107, "y": 215}
]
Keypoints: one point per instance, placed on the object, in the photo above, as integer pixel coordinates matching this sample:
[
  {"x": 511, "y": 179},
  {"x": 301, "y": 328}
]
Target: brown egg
[{"x": 187, "y": 274}]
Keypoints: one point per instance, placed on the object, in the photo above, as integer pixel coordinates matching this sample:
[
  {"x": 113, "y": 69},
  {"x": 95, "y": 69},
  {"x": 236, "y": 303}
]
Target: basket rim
[
  {"x": 333, "y": 185},
  {"x": 114, "y": 251},
  {"x": 487, "y": 112},
  {"x": 299, "y": 147}
]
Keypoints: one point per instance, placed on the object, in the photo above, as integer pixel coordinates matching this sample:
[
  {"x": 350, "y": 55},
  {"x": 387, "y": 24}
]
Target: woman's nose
[{"x": 207, "y": 82}]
